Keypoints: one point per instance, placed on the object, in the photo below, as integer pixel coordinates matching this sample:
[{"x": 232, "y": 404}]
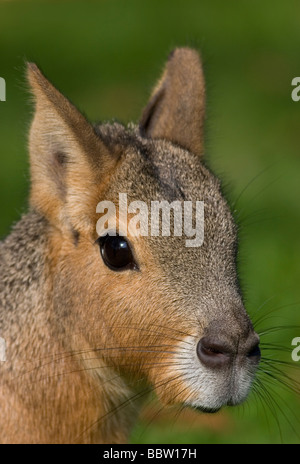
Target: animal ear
[
  {"x": 176, "y": 108},
  {"x": 65, "y": 156}
]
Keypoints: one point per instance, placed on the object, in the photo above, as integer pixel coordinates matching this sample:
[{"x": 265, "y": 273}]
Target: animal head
[{"x": 149, "y": 306}]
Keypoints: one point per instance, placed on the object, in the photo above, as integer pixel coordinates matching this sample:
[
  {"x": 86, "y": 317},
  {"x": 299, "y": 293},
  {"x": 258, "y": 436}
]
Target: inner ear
[
  {"x": 176, "y": 109},
  {"x": 60, "y": 158},
  {"x": 150, "y": 113},
  {"x": 59, "y": 167},
  {"x": 67, "y": 158}
]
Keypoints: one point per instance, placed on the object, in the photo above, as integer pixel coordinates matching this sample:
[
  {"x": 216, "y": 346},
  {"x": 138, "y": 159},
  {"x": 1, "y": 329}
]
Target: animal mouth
[{"x": 205, "y": 410}]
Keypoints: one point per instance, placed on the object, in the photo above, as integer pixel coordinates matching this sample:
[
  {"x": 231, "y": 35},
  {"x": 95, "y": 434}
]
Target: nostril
[
  {"x": 212, "y": 353},
  {"x": 255, "y": 353}
]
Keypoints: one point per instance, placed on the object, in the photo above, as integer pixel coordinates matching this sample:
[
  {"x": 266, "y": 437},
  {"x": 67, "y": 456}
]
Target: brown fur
[{"x": 83, "y": 340}]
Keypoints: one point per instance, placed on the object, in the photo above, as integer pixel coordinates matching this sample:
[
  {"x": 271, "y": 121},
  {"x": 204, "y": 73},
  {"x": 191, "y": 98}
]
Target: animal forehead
[
  {"x": 165, "y": 173},
  {"x": 151, "y": 170},
  {"x": 157, "y": 169}
]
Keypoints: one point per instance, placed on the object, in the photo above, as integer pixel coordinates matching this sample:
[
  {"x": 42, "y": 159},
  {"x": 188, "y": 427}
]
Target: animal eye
[{"x": 116, "y": 253}]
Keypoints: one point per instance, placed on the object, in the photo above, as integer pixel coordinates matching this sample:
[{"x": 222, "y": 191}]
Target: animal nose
[
  {"x": 217, "y": 353},
  {"x": 213, "y": 353}
]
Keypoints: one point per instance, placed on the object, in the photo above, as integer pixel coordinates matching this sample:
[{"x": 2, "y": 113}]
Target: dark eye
[{"x": 116, "y": 253}]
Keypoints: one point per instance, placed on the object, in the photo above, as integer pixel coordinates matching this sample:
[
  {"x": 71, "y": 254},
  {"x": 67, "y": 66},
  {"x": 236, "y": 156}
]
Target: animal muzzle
[
  {"x": 219, "y": 369},
  {"x": 217, "y": 351}
]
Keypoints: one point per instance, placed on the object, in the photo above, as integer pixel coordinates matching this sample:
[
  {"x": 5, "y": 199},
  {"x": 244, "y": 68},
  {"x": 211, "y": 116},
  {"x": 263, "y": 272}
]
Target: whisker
[
  {"x": 163, "y": 333},
  {"x": 272, "y": 404},
  {"x": 277, "y": 328},
  {"x": 271, "y": 390},
  {"x": 272, "y": 347},
  {"x": 143, "y": 329},
  {"x": 110, "y": 349},
  {"x": 291, "y": 364},
  {"x": 266, "y": 187},
  {"x": 150, "y": 421},
  {"x": 125, "y": 403},
  {"x": 262, "y": 306},
  {"x": 146, "y": 366},
  {"x": 254, "y": 179},
  {"x": 264, "y": 316},
  {"x": 294, "y": 386}
]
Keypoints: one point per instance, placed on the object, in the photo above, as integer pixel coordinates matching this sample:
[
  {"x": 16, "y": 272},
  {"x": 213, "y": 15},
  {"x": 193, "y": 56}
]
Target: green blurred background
[{"x": 105, "y": 56}]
